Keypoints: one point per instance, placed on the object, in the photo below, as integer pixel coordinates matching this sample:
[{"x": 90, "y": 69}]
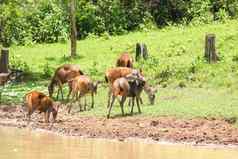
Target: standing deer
[
  {"x": 39, "y": 101},
  {"x": 62, "y": 75},
  {"x": 114, "y": 73},
  {"x": 129, "y": 86},
  {"x": 79, "y": 87},
  {"x": 125, "y": 60}
]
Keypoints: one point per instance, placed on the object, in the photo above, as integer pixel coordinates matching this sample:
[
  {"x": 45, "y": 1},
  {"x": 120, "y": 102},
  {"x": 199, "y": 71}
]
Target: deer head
[{"x": 151, "y": 92}]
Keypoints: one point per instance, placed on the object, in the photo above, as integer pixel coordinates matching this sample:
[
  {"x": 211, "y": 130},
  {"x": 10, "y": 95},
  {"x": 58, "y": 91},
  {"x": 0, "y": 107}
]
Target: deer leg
[
  {"x": 85, "y": 103},
  {"x": 129, "y": 102},
  {"x": 110, "y": 107},
  {"x": 57, "y": 97},
  {"x": 123, "y": 99},
  {"x": 29, "y": 115},
  {"x": 92, "y": 106},
  {"x": 109, "y": 97},
  {"x": 61, "y": 91},
  {"x": 140, "y": 98},
  {"x": 138, "y": 104},
  {"x": 79, "y": 99},
  {"x": 70, "y": 91},
  {"x": 133, "y": 103},
  {"x": 71, "y": 103},
  {"x": 47, "y": 116},
  {"x": 30, "y": 112}
]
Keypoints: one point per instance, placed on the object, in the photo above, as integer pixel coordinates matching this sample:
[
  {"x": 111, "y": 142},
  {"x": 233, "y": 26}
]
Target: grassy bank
[{"x": 189, "y": 86}]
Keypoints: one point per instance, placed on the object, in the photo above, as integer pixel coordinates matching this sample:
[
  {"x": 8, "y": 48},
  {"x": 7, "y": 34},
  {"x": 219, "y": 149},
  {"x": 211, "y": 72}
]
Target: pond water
[{"x": 17, "y": 144}]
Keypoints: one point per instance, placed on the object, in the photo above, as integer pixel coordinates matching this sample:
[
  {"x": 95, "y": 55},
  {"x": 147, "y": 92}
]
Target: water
[{"x": 17, "y": 144}]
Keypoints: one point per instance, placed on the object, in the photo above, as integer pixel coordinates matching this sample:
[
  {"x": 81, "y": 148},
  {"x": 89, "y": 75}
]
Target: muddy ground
[{"x": 171, "y": 129}]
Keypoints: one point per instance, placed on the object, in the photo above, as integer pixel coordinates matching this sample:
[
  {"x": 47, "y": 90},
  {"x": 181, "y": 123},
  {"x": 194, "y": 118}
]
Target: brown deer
[
  {"x": 79, "y": 87},
  {"x": 129, "y": 86},
  {"x": 39, "y": 101},
  {"x": 151, "y": 92},
  {"x": 114, "y": 73},
  {"x": 62, "y": 75},
  {"x": 125, "y": 60}
]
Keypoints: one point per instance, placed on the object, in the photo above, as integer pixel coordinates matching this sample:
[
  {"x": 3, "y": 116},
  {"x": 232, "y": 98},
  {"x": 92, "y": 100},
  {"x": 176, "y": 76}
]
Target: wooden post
[
  {"x": 138, "y": 51},
  {"x": 210, "y": 48},
  {"x": 141, "y": 51},
  {"x": 145, "y": 52},
  {"x": 4, "y": 61},
  {"x": 73, "y": 33}
]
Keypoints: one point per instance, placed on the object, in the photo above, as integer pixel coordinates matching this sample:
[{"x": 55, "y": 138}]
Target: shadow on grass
[
  {"x": 119, "y": 116},
  {"x": 65, "y": 58},
  {"x": 50, "y": 59}
]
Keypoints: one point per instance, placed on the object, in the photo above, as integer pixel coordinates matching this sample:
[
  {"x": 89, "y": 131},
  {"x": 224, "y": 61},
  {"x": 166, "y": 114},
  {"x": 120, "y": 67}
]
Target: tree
[{"x": 73, "y": 32}]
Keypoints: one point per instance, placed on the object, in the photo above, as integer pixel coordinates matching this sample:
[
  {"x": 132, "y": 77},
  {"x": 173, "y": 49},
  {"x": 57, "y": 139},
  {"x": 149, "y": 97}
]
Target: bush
[
  {"x": 26, "y": 22},
  {"x": 23, "y": 23},
  {"x": 17, "y": 63}
]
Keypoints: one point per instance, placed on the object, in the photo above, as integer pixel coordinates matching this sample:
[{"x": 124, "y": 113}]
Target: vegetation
[
  {"x": 30, "y": 21},
  {"x": 190, "y": 87}
]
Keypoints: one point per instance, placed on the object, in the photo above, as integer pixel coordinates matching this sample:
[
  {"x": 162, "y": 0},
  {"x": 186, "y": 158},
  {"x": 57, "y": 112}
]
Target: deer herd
[{"x": 123, "y": 81}]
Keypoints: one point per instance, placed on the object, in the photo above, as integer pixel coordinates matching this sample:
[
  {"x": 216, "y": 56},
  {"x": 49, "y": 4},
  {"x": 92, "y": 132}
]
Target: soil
[{"x": 171, "y": 129}]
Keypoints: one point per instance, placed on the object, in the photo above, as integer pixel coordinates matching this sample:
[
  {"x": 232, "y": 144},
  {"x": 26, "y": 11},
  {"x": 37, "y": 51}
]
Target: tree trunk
[
  {"x": 210, "y": 48},
  {"x": 4, "y": 61},
  {"x": 73, "y": 36}
]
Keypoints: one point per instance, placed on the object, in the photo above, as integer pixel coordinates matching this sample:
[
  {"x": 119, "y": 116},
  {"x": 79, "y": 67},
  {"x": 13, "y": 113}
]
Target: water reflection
[{"x": 15, "y": 143}]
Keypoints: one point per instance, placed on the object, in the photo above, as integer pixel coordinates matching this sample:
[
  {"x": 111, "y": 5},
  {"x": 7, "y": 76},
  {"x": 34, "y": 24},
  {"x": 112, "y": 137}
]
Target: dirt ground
[{"x": 171, "y": 129}]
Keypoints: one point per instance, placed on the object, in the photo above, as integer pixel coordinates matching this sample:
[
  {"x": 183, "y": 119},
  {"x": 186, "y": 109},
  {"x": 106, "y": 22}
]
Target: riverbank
[{"x": 198, "y": 131}]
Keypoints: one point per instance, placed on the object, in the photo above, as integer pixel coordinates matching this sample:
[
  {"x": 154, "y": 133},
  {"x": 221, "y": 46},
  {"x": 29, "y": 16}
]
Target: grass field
[{"x": 190, "y": 87}]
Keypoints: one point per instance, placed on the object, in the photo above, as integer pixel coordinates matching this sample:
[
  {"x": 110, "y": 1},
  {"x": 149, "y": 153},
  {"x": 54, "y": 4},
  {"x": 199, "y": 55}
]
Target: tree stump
[
  {"x": 210, "y": 48},
  {"x": 141, "y": 51},
  {"x": 4, "y": 61}
]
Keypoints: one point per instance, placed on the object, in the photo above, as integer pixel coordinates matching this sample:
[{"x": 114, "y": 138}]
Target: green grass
[{"x": 210, "y": 90}]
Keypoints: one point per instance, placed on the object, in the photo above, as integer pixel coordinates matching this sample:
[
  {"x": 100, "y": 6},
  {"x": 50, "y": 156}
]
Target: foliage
[
  {"x": 16, "y": 62},
  {"x": 28, "y": 21}
]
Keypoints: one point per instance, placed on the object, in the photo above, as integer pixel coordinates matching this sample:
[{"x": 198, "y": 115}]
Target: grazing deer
[
  {"x": 39, "y": 101},
  {"x": 62, "y": 75},
  {"x": 79, "y": 87},
  {"x": 114, "y": 73},
  {"x": 125, "y": 60},
  {"x": 151, "y": 92},
  {"x": 129, "y": 86}
]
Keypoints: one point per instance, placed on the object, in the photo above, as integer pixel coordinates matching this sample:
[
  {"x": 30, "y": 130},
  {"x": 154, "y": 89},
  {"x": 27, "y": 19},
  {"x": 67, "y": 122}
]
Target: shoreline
[
  {"x": 131, "y": 139},
  {"x": 214, "y": 133}
]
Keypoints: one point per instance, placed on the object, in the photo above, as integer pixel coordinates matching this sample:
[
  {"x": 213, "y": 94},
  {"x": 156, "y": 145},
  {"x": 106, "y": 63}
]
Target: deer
[
  {"x": 129, "y": 86},
  {"x": 125, "y": 60},
  {"x": 79, "y": 87},
  {"x": 35, "y": 100},
  {"x": 114, "y": 73},
  {"x": 150, "y": 91},
  {"x": 61, "y": 76}
]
